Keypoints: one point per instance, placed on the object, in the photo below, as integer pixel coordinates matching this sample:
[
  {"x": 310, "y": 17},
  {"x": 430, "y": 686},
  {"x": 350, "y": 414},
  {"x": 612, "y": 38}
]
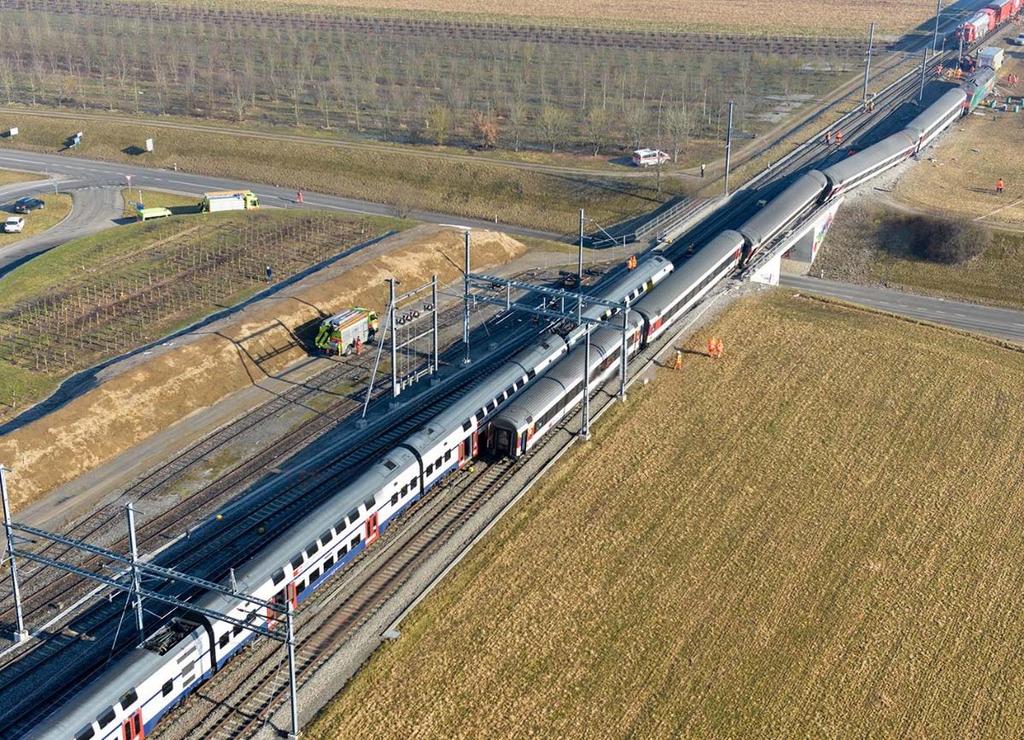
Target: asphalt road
[
  {"x": 94, "y": 209},
  {"x": 78, "y": 173},
  {"x": 1002, "y": 323}
]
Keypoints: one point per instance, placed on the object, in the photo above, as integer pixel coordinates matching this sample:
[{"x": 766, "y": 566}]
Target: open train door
[
  {"x": 372, "y": 529},
  {"x": 132, "y": 728}
]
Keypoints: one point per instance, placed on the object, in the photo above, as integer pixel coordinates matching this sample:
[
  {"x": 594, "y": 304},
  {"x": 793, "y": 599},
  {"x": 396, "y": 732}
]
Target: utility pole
[
  {"x": 938, "y": 12},
  {"x": 924, "y": 71},
  {"x": 579, "y": 272},
  {"x": 133, "y": 545},
  {"x": 395, "y": 389},
  {"x": 433, "y": 307},
  {"x": 585, "y": 425},
  {"x": 20, "y": 633},
  {"x": 867, "y": 65},
  {"x": 624, "y": 358},
  {"x": 728, "y": 147},
  {"x": 290, "y": 640},
  {"x": 465, "y": 304},
  {"x": 960, "y": 54}
]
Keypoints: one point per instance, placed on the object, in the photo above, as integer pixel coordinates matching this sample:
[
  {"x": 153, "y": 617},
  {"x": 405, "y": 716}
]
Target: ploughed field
[{"x": 816, "y": 535}]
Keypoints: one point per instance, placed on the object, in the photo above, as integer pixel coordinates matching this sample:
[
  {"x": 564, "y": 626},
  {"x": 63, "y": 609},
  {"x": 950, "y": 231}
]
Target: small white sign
[
  {"x": 13, "y": 131},
  {"x": 149, "y": 145}
]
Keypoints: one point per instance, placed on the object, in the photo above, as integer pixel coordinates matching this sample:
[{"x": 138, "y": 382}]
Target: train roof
[
  {"x": 522, "y": 411},
  {"x": 938, "y": 110},
  {"x": 483, "y": 393},
  {"x": 628, "y": 283},
  {"x": 781, "y": 209},
  {"x": 690, "y": 272},
  {"x": 868, "y": 159},
  {"x": 124, "y": 674},
  {"x": 296, "y": 538}
]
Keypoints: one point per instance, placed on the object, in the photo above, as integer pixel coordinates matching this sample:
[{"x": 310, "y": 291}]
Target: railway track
[
  {"x": 217, "y": 545},
  {"x": 246, "y": 693},
  {"x": 241, "y": 699}
]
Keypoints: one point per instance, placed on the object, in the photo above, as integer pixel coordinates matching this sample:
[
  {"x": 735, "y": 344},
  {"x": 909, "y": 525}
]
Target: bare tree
[
  {"x": 677, "y": 127},
  {"x": 439, "y": 122},
  {"x": 554, "y": 122},
  {"x": 598, "y": 127},
  {"x": 517, "y": 116},
  {"x": 636, "y": 124},
  {"x": 486, "y": 129}
]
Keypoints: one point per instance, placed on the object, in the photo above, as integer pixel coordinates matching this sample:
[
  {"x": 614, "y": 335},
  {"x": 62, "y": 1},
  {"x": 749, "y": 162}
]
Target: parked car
[
  {"x": 14, "y": 224},
  {"x": 1017, "y": 40},
  {"x": 27, "y": 205}
]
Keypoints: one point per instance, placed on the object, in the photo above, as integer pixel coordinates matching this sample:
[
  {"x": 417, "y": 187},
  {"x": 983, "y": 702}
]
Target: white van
[{"x": 14, "y": 224}]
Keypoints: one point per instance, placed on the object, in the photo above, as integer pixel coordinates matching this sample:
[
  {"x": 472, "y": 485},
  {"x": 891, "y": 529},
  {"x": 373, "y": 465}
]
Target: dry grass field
[
  {"x": 865, "y": 246},
  {"x": 58, "y": 206},
  {"x": 10, "y": 177},
  {"x": 817, "y": 536},
  {"x": 785, "y": 17},
  {"x": 959, "y": 175},
  {"x": 399, "y": 178}
]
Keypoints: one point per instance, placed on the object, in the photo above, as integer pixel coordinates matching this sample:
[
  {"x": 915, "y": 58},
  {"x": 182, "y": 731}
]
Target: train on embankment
[{"x": 506, "y": 414}]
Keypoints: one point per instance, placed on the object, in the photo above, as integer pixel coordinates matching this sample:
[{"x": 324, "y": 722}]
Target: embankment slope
[{"x": 169, "y": 384}]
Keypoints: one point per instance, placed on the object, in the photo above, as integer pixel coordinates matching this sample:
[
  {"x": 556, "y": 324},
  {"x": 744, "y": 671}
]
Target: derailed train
[{"x": 506, "y": 414}]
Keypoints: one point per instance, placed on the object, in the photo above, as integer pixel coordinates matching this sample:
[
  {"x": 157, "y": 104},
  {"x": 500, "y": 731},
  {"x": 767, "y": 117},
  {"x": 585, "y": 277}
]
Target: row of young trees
[{"x": 394, "y": 86}]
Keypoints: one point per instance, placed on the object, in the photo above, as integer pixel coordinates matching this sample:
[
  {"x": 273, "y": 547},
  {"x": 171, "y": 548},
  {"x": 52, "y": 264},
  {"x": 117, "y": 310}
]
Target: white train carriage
[
  {"x": 524, "y": 421},
  {"x": 629, "y": 286},
  {"x": 453, "y": 438},
  {"x": 689, "y": 283},
  {"x": 936, "y": 118},
  {"x": 784, "y": 209},
  {"x": 128, "y": 698},
  {"x": 862, "y": 166}
]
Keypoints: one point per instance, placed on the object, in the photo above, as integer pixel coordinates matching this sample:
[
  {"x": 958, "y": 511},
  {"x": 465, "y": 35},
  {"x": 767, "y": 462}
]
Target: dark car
[{"x": 27, "y": 205}]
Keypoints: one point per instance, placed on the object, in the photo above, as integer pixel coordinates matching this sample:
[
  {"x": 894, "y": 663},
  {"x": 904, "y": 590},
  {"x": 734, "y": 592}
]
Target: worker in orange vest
[
  {"x": 359, "y": 346},
  {"x": 1000, "y": 185},
  {"x": 679, "y": 361},
  {"x": 711, "y": 347},
  {"x": 839, "y": 138},
  {"x": 719, "y": 349}
]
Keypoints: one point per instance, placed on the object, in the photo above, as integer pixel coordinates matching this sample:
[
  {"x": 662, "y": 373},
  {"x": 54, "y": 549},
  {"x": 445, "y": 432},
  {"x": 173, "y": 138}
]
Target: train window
[
  {"x": 353, "y": 516},
  {"x": 340, "y": 526},
  {"x": 107, "y": 717},
  {"x": 325, "y": 538},
  {"x": 402, "y": 491},
  {"x": 314, "y": 575},
  {"x": 412, "y": 485},
  {"x": 355, "y": 541},
  {"x": 448, "y": 456},
  {"x": 297, "y": 562},
  {"x": 278, "y": 577},
  {"x": 301, "y": 587},
  {"x": 429, "y": 469},
  {"x": 394, "y": 499},
  {"x": 311, "y": 550},
  {"x": 328, "y": 563},
  {"x": 531, "y": 375},
  {"x": 237, "y": 630},
  {"x": 85, "y": 734},
  {"x": 467, "y": 425},
  {"x": 129, "y": 698},
  {"x": 167, "y": 688},
  {"x": 223, "y": 641},
  {"x": 369, "y": 503},
  {"x": 389, "y": 465},
  {"x": 342, "y": 551},
  {"x": 480, "y": 415}
]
